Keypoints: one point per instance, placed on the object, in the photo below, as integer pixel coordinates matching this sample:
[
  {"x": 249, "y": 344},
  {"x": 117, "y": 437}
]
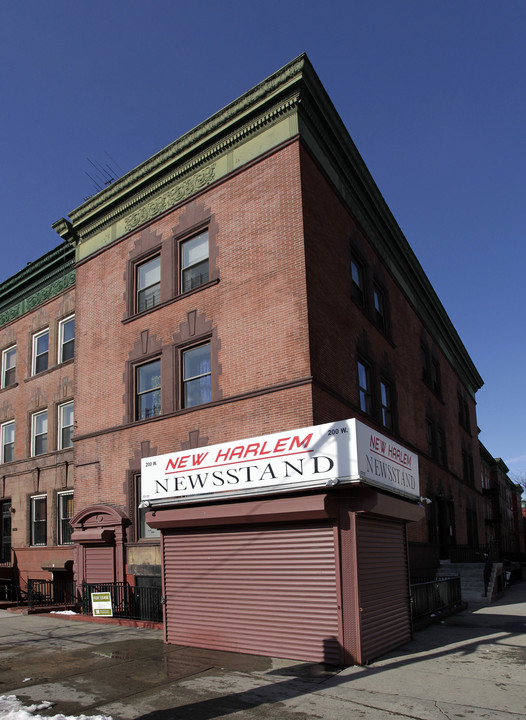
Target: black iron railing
[
  {"x": 431, "y": 595},
  {"x": 128, "y": 601},
  {"x": 42, "y": 593}
]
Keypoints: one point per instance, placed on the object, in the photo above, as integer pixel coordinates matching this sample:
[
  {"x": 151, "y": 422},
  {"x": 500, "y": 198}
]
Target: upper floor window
[
  {"x": 7, "y": 447},
  {"x": 463, "y": 413},
  {"x": 39, "y": 433},
  {"x": 66, "y": 339},
  {"x": 197, "y": 376},
  {"x": 357, "y": 282},
  {"x": 194, "y": 262},
  {"x": 39, "y": 520},
  {"x": 65, "y": 426},
  {"x": 386, "y": 404},
  {"x": 40, "y": 352},
  {"x": 379, "y": 308},
  {"x": 148, "y": 390},
  {"x": 436, "y": 383},
  {"x": 8, "y": 366},
  {"x": 148, "y": 284},
  {"x": 64, "y": 515},
  {"x": 364, "y": 385}
]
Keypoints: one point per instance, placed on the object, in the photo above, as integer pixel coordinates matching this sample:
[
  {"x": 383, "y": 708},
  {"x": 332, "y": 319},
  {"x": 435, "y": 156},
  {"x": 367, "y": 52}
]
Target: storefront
[{"x": 290, "y": 545}]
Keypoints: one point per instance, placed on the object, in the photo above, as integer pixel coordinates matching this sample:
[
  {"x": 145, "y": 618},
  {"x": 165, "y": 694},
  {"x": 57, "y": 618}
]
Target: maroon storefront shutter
[{"x": 268, "y": 590}]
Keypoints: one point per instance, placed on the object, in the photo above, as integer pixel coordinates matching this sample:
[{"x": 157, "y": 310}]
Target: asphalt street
[{"x": 470, "y": 665}]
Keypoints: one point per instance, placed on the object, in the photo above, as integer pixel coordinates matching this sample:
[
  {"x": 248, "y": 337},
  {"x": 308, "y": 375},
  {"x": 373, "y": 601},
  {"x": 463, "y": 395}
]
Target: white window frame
[
  {"x": 5, "y": 369},
  {"x": 36, "y": 338},
  {"x": 187, "y": 380},
  {"x": 154, "y": 288},
  {"x": 189, "y": 263},
  {"x": 61, "y": 342},
  {"x": 33, "y": 431},
  {"x": 60, "y": 518},
  {"x": 33, "y": 521},
  {"x": 3, "y": 429},
  {"x": 61, "y": 426}
]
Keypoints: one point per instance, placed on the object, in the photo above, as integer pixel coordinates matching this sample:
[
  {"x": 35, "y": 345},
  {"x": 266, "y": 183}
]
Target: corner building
[{"x": 247, "y": 280}]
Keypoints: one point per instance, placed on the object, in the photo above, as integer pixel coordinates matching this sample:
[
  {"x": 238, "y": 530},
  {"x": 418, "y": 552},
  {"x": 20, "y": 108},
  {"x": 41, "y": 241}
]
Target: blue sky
[{"x": 432, "y": 93}]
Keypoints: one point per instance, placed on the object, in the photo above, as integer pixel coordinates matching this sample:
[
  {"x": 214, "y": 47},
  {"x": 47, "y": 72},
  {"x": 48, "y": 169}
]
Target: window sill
[{"x": 136, "y": 316}]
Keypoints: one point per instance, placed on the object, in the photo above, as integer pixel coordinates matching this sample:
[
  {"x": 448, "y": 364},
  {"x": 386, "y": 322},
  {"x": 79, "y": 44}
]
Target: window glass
[
  {"x": 40, "y": 433},
  {"x": 379, "y": 308},
  {"x": 65, "y": 513},
  {"x": 357, "y": 282},
  {"x": 144, "y": 531},
  {"x": 65, "y": 420},
  {"x": 67, "y": 339},
  {"x": 149, "y": 284},
  {"x": 40, "y": 352},
  {"x": 148, "y": 390},
  {"x": 197, "y": 378},
  {"x": 5, "y": 532},
  {"x": 385, "y": 396},
  {"x": 39, "y": 520},
  {"x": 194, "y": 262},
  {"x": 8, "y": 366},
  {"x": 8, "y": 442},
  {"x": 364, "y": 383}
]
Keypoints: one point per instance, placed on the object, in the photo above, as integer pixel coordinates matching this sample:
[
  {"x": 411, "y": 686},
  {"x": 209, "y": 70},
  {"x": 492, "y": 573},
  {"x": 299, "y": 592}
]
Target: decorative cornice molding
[
  {"x": 216, "y": 122},
  {"x": 46, "y": 293}
]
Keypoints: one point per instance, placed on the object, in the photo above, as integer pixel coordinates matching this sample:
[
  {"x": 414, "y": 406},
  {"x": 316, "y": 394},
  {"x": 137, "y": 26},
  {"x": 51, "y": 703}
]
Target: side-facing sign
[
  {"x": 341, "y": 452},
  {"x": 101, "y": 604}
]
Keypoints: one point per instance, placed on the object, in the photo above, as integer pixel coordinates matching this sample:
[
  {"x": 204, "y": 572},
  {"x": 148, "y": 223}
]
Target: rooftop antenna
[{"x": 103, "y": 175}]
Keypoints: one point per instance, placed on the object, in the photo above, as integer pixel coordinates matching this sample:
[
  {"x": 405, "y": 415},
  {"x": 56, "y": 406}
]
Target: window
[
  {"x": 66, "y": 339},
  {"x": 8, "y": 442},
  {"x": 430, "y": 437},
  {"x": 364, "y": 385},
  {"x": 65, "y": 426},
  {"x": 425, "y": 360},
  {"x": 144, "y": 531},
  {"x": 40, "y": 352},
  {"x": 5, "y": 532},
  {"x": 148, "y": 390},
  {"x": 8, "y": 366},
  {"x": 441, "y": 447},
  {"x": 386, "y": 404},
  {"x": 357, "y": 283},
  {"x": 39, "y": 520},
  {"x": 197, "y": 376},
  {"x": 39, "y": 433},
  {"x": 65, "y": 513},
  {"x": 463, "y": 413},
  {"x": 436, "y": 384},
  {"x": 379, "y": 309},
  {"x": 148, "y": 284},
  {"x": 194, "y": 262}
]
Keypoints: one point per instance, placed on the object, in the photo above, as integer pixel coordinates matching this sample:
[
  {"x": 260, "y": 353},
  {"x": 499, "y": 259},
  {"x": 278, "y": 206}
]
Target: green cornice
[
  {"x": 292, "y": 101},
  {"x": 38, "y": 282}
]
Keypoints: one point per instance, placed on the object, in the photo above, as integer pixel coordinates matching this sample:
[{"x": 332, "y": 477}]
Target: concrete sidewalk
[{"x": 471, "y": 665}]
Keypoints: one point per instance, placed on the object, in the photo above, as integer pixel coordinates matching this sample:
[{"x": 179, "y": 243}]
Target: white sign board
[
  {"x": 101, "y": 604},
  {"x": 341, "y": 452}
]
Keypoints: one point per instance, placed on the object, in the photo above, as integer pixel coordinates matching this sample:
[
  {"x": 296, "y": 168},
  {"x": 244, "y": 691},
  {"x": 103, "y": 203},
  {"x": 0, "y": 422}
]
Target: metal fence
[
  {"x": 42, "y": 593},
  {"x": 128, "y": 601},
  {"x": 431, "y": 595}
]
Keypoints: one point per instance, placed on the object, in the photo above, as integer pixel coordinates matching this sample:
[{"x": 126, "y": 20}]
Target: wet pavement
[{"x": 470, "y": 665}]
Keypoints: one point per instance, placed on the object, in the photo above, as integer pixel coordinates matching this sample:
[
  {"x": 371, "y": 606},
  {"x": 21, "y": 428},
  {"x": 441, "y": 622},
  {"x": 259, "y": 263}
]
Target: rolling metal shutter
[
  {"x": 383, "y": 584},
  {"x": 99, "y": 565},
  {"x": 267, "y": 590}
]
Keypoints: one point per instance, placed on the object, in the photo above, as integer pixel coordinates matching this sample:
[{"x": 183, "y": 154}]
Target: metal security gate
[
  {"x": 267, "y": 590},
  {"x": 383, "y": 583}
]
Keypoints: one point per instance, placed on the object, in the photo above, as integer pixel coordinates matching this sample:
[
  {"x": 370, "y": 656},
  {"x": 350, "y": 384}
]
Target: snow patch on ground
[{"x": 12, "y": 709}]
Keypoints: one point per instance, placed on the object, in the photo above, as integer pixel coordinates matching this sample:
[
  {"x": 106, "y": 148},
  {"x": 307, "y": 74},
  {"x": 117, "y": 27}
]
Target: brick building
[
  {"x": 247, "y": 280},
  {"x": 37, "y": 336}
]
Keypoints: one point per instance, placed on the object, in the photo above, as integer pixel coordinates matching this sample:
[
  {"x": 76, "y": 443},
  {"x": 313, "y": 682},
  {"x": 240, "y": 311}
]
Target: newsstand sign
[{"x": 342, "y": 452}]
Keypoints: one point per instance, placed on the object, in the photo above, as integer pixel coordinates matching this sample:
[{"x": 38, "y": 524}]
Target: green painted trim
[{"x": 37, "y": 298}]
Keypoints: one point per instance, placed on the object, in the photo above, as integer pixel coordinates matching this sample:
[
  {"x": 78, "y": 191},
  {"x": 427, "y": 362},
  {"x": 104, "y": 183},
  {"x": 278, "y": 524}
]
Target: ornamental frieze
[
  {"x": 178, "y": 193},
  {"x": 46, "y": 293}
]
